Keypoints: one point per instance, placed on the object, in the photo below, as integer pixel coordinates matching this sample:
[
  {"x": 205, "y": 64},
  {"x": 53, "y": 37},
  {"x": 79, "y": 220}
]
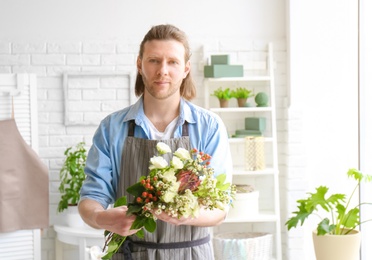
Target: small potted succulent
[
  {"x": 72, "y": 177},
  {"x": 338, "y": 227},
  {"x": 223, "y": 95},
  {"x": 242, "y": 94}
]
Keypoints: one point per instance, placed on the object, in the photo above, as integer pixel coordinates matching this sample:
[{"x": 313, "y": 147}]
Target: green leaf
[
  {"x": 140, "y": 233},
  {"x": 221, "y": 178},
  {"x": 324, "y": 227},
  {"x": 300, "y": 215},
  {"x": 134, "y": 208},
  {"x": 150, "y": 225},
  {"x": 108, "y": 255},
  {"x": 317, "y": 198},
  {"x": 351, "y": 219},
  {"x": 341, "y": 211},
  {"x": 136, "y": 189},
  {"x": 121, "y": 202},
  {"x": 139, "y": 222}
]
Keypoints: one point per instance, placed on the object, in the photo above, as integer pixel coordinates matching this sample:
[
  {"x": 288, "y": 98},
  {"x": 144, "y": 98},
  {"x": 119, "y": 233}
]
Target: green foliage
[
  {"x": 72, "y": 176},
  {"x": 222, "y": 93},
  {"x": 242, "y": 93},
  {"x": 338, "y": 217}
]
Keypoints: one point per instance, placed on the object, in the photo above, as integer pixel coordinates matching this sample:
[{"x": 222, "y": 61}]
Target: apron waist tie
[{"x": 128, "y": 243}]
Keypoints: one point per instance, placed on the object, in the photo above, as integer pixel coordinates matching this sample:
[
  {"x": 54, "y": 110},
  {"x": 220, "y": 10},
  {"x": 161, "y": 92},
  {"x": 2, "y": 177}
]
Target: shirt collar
[{"x": 137, "y": 113}]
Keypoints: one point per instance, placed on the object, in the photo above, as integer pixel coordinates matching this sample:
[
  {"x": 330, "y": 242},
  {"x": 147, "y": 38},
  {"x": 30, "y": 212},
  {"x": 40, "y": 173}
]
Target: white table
[{"x": 83, "y": 237}]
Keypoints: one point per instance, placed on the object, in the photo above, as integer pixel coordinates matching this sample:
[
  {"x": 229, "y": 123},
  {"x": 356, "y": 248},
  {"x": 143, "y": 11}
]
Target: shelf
[
  {"x": 270, "y": 215},
  {"x": 241, "y": 109},
  {"x": 261, "y": 217},
  {"x": 236, "y": 140},
  {"x": 265, "y": 172},
  {"x": 247, "y": 78}
]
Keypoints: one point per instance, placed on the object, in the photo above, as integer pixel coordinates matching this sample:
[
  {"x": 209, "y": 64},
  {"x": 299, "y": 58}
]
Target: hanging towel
[{"x": 24, "y": 183}]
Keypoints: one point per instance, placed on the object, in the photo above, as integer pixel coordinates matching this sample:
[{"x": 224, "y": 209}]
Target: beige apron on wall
[{"x": 24, "y": 183}]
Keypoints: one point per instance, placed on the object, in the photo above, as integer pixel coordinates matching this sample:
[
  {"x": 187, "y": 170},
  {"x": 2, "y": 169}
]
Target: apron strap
[
  {"x": 132, "y": 125},
  {"x": 173, "y": 245},
  {"x": 127, "y": 247},
  {"x": 185, "y": 129}
]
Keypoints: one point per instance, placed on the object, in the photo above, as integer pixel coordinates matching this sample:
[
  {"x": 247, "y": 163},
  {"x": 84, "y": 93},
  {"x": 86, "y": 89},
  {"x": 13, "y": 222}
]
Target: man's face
[{"x": 163, "y": 68}]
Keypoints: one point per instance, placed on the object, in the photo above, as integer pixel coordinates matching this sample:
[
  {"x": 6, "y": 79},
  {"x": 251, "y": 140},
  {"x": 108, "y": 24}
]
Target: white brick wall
[{"x": 49, "y": 60}]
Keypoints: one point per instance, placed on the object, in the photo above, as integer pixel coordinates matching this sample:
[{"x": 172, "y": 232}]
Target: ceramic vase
[
  {"x": 340, "y": 247},
  {"x": 73, "y": 217}
]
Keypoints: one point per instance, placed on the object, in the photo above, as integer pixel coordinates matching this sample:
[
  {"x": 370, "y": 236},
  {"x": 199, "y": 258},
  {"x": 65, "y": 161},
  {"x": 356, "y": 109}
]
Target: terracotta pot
[
  {"x": 340, "y": 247},
  {"x": 241, "y": 102},
  {"x": 224, "y": 102}
]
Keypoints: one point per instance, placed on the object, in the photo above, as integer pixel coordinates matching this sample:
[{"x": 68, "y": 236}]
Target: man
[{"x": 126, "y": 140}]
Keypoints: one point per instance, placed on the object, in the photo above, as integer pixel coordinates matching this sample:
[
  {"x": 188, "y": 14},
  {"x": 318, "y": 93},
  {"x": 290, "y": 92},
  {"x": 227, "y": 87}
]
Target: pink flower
[{"x": 189, "y": 180}]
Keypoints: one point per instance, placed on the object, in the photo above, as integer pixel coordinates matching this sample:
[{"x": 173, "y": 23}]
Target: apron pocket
[{"x": 10, "y": 186}]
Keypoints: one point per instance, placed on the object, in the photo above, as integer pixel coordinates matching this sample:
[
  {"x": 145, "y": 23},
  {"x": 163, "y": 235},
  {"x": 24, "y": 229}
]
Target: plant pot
[
  {"x": 340, "y": 247},
  {"x": 242, "y": 101},
  {"x": 73, "y": 217},
  {"x": 224, "y": 102}
]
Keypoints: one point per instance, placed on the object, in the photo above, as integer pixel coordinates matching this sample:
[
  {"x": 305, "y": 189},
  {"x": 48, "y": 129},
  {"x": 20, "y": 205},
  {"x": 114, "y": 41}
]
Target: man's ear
[
  {"x": 139, "y": 64},
  {"x": 187, "y": 69}
]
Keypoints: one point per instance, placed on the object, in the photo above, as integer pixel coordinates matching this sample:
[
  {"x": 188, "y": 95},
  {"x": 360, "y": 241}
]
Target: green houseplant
[
  {"x": 241, "y": 94},
  {"x": 72, "y": 176},
  {"x": 223, "y": 95},
  {"x": 339, "y": 219}
]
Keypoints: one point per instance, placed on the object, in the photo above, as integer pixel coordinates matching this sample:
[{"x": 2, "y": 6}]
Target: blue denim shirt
[{"x": 207, "y": 133}]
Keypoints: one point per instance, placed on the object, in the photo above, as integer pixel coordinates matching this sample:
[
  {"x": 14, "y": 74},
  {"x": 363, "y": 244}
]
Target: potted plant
[
  {"x": 242, "y": 94},
  {"x": 72, "y": 177},
  {"x": 223, "y": 95},
  {"x": 338, "y": 227}
]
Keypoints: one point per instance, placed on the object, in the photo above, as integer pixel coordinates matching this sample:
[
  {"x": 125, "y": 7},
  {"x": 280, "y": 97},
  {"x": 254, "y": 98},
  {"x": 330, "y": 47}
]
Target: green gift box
[
  {"x": 218, "y": 71},
  {"x": 220, "y": 59},
  {"x": 245, "y": 132},
  {"x": 255, "y": 123}
]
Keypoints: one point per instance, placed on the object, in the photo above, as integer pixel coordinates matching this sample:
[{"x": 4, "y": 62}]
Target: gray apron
[{"x": 168, "y": 241}]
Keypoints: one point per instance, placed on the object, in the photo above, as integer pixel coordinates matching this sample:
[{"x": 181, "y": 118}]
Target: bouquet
[{"x": 179, "y": 188}]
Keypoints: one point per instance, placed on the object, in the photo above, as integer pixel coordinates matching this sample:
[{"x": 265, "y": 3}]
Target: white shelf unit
[{"x": 267, "y": 180}]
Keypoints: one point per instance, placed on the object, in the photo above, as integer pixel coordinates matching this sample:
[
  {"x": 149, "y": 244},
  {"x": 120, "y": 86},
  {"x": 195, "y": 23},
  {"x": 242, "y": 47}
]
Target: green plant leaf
[
  {"x": 351, "y": 218},
  {"x": 136, "y": 189},
  {"x": 241, "y": 93},
  {"x": 150, "y": 225},
  {"x": 325, "y": 228},
  {"x": 72, "y": 176},
  {"x": 121, "y": 202},
  {"x": 222, "y": 93},
  {"x": 133, "y": 209},
  {"x": 300, "y": 215},
  {"x": 140, "y": 233}
]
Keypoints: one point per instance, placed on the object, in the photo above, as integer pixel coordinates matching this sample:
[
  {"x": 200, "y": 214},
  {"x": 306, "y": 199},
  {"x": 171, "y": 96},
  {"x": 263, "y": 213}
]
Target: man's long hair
[{"x": 168, "y": 32}]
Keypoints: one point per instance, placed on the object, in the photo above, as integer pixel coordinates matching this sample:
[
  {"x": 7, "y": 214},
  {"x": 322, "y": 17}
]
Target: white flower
[
  {"x": 183, "y": 154},
  {"x": 96, "y": 253},
  {"x": 163, "y": 148},
  {"x": 176, "y": 163},
  {"x": 191, "y": 206},
  {"x": 157, "y": 162},
  {"x": 168, "y": 196},
  {"x": 169, "y": 176}
]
